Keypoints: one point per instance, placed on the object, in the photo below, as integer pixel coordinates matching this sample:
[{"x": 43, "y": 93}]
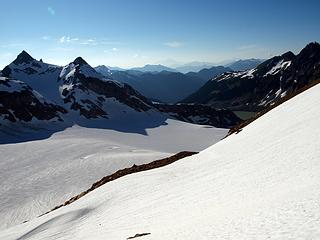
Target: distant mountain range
[
  {"x": 239, "y": 65},
  {"x": 243, "y": 65},
  {"x": 193, "y": 67},
  {"x": 262, "y": 86},
  {"x": 208, "y": 73},
  {"x": 164, "y": 86},
  {"x": 153, "y": 68},
  {"x": 104, "y": 70}
]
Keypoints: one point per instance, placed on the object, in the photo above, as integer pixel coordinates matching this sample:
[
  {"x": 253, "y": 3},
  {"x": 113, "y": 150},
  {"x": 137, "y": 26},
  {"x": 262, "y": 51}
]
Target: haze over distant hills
[
  {"x": 246, "y": 64},
  {"x": 170, "y": 85},
  {"x": 163, "y": 86},
  {"x": 208, "y": 73},
  {"x": 153, "y": 68},
  {"x": 193, "y": 66},
  {"x": 238, "y": 65}
]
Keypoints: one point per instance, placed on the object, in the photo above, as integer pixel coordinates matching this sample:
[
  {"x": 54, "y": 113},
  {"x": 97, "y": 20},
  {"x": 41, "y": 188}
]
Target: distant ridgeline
[{"x": 257, "y": 88}]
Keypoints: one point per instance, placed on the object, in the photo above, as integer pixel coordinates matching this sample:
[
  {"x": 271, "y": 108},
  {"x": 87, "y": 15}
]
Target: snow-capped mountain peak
[
  {"x": 77, "y": 87},
  {"x": 79, "y": 66}
]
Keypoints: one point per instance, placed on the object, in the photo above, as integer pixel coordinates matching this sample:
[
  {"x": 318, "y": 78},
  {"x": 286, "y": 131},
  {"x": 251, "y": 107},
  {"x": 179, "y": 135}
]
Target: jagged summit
[
  {"x": 80, "y": 61},
  {"x": 23, "y": 57},
  {"x": 259, "y": 87},
  {"x": 311, "y": 50},
  {"x": 313, "y": 45},
  {"x": 288, "y": 55}
]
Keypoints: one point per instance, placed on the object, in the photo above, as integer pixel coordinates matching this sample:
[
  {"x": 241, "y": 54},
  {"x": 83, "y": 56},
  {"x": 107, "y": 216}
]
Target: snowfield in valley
[
  {"x": 262, "y": 183},
  {"x": 36, "y": 176}
]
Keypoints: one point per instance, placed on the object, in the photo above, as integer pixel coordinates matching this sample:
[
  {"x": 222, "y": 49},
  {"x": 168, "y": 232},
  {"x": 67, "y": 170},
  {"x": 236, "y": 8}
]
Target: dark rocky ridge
[
  {"x": 24, "y": 105},
  {"x": 267, "y": 84},
  {"x": 23, "y": 57},
  {"x": 200, "y": 114},
  {"x": 80, "y": 61}
]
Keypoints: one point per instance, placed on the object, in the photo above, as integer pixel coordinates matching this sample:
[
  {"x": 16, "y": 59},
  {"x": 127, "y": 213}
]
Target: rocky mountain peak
[
  {"x": 312, "y": 50},
  {"x": 288, "y": 56},
  {"x": 23, "y": 57},
  {"x": 80, "y": 61},
  {"x": 312, "y": 46}
]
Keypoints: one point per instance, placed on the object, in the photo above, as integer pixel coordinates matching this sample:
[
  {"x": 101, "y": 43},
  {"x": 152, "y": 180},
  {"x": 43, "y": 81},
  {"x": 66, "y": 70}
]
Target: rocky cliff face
[{"x": 19, "y": 102}]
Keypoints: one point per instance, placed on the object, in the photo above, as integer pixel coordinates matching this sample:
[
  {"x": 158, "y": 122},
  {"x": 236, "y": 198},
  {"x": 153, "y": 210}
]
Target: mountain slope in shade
[
  {"x": 162, "y": 86},
  {"x": 255, "y": 89},
  {"x": 260, "y": 183},
  {"x": 165, "y": 86},
  {"x": 41, "y": 76},
  {"x": 246, "y": 64},
  {"x": 19, "y": 102}
]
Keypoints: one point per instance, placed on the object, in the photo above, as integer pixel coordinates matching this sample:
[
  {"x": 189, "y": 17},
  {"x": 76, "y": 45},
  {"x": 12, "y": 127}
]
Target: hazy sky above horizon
[{"x": 130, "y": 33}]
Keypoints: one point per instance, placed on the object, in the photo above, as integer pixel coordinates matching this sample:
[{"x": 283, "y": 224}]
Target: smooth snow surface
[
  {"x": 262, "y": 183},
  {"x": 38, "y": 175}
]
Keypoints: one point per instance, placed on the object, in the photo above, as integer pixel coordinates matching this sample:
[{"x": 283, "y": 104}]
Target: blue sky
[{"x": 135, "y": 32}]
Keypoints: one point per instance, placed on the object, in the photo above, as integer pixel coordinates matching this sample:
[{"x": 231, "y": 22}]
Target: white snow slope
[
  {"x": 38, "y": 175},
  {"x": 262, "y": 183}
]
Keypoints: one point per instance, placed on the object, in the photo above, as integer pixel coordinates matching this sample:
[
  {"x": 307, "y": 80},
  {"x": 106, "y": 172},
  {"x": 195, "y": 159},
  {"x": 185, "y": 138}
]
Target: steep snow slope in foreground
[
  {"x": 36, "y": 176},
  {"x": 262, "y": 183}
]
